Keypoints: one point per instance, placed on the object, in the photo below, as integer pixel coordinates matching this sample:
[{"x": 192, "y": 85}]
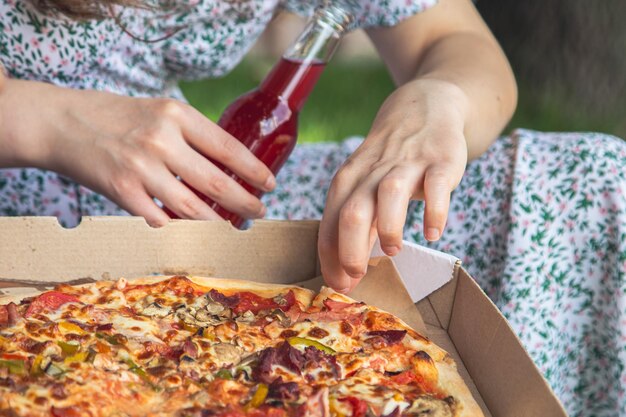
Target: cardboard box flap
[
  {"x": 422, "y": 269},
  {"x": 437, "y": 308},
  {"x": 127, "y": 246},
  {"x": 482, "y": 336}
]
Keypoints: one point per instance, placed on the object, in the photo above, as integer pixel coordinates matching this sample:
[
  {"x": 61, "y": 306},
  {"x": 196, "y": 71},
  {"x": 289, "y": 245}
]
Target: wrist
[{"x": 442, "y": 93}]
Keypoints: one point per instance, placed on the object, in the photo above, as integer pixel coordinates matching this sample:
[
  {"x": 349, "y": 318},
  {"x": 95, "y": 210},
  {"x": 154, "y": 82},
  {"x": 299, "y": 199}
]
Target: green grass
[{"x": 349, "y": 94}]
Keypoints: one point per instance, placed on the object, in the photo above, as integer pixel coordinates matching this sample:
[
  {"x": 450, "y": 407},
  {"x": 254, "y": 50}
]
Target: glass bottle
[{"x": 265, "y": 119}]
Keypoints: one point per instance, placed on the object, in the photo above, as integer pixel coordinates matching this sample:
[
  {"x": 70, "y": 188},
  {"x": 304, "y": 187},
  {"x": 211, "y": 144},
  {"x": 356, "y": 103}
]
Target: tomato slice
[
  {"x": 410, "y": 377},
  {"x": 50, "y": 300}
]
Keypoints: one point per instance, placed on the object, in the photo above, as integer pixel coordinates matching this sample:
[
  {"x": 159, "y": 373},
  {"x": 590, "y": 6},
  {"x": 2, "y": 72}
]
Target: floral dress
[{"x": 539, "y": 220}]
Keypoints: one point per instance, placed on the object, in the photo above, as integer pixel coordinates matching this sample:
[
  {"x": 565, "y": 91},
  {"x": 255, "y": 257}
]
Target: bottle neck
[{"x": 294, "y": 77}]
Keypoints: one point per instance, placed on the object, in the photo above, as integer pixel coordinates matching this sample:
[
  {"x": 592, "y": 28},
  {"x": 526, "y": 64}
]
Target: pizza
[{"x": 199, "y": 347}]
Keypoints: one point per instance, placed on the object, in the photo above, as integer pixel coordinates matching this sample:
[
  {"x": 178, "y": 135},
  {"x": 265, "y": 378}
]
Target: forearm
[
  {"x": 26, "y": 126},
  {"x": 476, "y": 65},
  {"x": 451, "y": 48}
]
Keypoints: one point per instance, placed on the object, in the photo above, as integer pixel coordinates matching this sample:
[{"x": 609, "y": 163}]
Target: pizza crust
[{"x": 303, "y": 295}]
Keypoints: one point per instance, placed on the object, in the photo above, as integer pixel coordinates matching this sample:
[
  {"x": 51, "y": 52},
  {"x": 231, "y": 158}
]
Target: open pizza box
[{"x": 36, "y": 253}]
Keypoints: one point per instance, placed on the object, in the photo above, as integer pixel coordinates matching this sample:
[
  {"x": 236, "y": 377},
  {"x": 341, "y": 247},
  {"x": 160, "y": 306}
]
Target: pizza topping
[
  {"x": 14, "y": 366},
  {"x": 284, "y": 355},
  {"x": 302, "y": 341},
  {"x": 190, "y": 349},
  {"x": 317, "y": 405},
  {"x": 12, "y": 314},
  {"x": 4, "y": 315},
  {"x": 50, "y": 300},
  {"x": 283, "y": 391},
  {"x": 359, "y": 407},
  {"x": 156, "y": 310},
  {"x": 68, "y": 348},
  {"x": 256, "y": 303},
  {"x": 289, "y": 333},
  {"x": 32, "y": 346},
  {"x": 338, "y": 305},
  {"x": 226, "y": 354},
  {"x": 391, "y": 337},
  {"x": 317, "y": 333},
  {"x": 66, "y": 412},
  {"x": 226, "y": 301},
  {"x": 423, "y": 365},
  {"x": 258, "y": 398},
  {"x": 429, "y": 406}
]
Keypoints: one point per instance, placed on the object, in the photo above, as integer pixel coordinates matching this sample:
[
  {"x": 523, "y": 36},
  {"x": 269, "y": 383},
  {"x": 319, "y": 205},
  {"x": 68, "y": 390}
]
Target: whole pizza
[{"x": 191, "y": 346}]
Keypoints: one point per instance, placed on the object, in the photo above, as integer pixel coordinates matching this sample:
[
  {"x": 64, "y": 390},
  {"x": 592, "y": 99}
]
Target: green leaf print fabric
[{"x": 539, "y": 220}]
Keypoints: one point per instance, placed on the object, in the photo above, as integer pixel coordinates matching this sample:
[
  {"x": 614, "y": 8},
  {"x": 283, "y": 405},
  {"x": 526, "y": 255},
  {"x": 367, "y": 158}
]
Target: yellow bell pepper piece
[
  {"x": 258, "y": 398},
  {"x": 35, "y": 369},
  {"x": 77, "y": 358},
  {"x": 70, "y": 327},
  {"x": 303, "y": 341}
]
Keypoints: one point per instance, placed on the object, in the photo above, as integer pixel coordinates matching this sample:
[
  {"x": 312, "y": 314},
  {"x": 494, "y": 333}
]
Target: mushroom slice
[
  {"x": 215, "y": 308},
  {"x": 156, "y": 310},
  {"x": 226, "y": 354},
  {"x": 427, "y": 406}
]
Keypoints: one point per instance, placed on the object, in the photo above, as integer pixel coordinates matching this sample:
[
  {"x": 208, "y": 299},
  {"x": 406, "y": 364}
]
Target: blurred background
[{"x": 569, "y": 57}]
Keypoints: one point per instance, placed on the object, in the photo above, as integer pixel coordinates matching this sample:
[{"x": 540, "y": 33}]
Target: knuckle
[
  {"x": 190, "y": 207},
  {"x": 218, "y": 186},
  {"x": 352, "y": 214},
  {"x": 230, "y": 149},
  {"x": 134, "y": 162},
  {"x": 168, "y": 108},
  {"x": 343, "y": 178},
  {"x": 152, "y": 139},
  {"x": 393, "y": 185},
  {"x": 122, "y": 185}
]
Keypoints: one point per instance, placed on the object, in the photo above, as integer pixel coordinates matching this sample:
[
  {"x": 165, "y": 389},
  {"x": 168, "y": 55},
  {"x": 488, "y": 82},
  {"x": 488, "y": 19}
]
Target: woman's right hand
[{"x": 129, "y": 149}]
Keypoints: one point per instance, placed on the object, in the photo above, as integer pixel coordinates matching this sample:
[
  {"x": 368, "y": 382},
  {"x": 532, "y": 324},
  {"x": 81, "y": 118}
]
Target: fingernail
[
  {"x": 432, "y": 234},
  {"x": 261, "y": 213},
  {"x": 270, "y": 183},
  {"x": 391, "y": 250}
]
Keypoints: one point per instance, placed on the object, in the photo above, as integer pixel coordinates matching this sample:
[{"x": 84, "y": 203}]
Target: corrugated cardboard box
[{"x": 36, "y": 253}]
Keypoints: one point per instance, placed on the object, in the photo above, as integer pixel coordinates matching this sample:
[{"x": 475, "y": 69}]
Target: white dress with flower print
[{"x": 539, "y": 219}]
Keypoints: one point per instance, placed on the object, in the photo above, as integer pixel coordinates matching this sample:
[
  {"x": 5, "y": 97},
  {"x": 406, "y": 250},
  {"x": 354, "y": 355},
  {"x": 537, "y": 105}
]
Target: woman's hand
[
  {"x": 416, "y": 150},
  {"x": 129, "y": 149}
]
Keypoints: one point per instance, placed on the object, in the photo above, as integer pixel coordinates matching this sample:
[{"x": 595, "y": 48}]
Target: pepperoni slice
[
  {"x": 50, "y": 300},
  {"x": 255, "y": 303}
]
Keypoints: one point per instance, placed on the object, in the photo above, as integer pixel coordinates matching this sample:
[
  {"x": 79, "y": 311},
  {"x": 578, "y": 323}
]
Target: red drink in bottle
[{"x": 265, "y": 120}]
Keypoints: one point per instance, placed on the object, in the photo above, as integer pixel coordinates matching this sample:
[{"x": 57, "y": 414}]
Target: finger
[
  {"x": 394, "y": 193},
  {"x": 211, "y": 140},
  {"x": 437, "y": 189},
  {"x": 177, "y": 197},
  {"x": 355, "y": 225},
  {"x": 139, "y": 203},
  {"x": 209, "y": 180},
  {"x": 328, "y": 240},
  {"x": 372, "y": 239}
]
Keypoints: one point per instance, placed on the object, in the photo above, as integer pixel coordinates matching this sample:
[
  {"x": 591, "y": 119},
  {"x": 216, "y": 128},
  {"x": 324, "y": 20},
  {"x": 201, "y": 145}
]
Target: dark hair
[{"x": 86, "y": 9}]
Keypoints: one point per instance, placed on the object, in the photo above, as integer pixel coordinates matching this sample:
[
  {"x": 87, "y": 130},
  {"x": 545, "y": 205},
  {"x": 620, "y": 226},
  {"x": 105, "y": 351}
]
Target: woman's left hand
[{"x": 416, "y": 150}]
